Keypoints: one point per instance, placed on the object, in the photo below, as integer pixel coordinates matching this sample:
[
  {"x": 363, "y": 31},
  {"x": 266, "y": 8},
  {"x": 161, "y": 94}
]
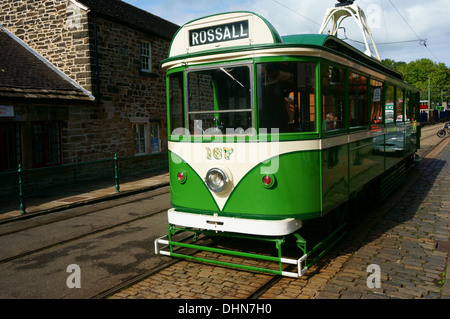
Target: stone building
[
  {"x": 34, "y": 103},
  {"x": 111, "y": 51}
]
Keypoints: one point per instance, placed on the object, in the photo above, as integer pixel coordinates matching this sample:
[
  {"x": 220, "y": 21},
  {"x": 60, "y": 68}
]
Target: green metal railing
[
  {"x": 166, "y": 245},
  {"x": 46, "y": 178}
]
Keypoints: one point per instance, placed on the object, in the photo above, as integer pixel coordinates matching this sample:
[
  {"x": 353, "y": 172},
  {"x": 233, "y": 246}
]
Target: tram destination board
[{"x": 219, "y": 33}]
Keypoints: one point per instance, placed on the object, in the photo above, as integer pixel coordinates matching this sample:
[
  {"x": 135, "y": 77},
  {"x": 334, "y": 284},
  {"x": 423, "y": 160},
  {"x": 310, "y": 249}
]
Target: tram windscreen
[
  {"x": 287, "y": 96},
  {"x": 219, "y": 100}
]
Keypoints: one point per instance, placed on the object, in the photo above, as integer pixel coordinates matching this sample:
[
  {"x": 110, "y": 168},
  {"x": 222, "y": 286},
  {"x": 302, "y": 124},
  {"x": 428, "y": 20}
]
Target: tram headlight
[{"x": 216, "y": 179}]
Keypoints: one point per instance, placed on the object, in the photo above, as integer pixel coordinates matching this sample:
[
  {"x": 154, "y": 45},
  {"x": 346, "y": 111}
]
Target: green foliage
[{"x": 417, "y": 73}]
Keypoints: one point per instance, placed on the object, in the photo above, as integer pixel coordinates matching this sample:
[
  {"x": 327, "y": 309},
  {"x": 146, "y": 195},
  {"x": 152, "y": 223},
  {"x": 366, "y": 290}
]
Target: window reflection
[
  {"x": 357, "y": 100},
  {"x": 389, "y": 107},
  {"x": 286, "y": 96},
  {"x": 333, "y": 97},
  {"x": 376, "y": 88},
  {"x": 219, "y": 100}
]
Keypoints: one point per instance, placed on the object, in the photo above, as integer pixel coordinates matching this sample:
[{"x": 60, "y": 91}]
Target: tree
[{"x": 417, "y": 73}]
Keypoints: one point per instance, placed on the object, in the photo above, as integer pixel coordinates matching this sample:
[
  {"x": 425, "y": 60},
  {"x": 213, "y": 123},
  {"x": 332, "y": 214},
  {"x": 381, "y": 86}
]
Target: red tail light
[
  {"x": 268, "y": 180},
  {"x": 181, "y": 176}
]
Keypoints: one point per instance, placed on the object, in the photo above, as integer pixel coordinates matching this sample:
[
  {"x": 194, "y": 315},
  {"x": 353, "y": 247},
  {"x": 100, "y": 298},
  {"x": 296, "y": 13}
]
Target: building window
[
  {"x": 146, "y": 57},
  {"x": 46, "y": 143},
  {"x": 146, "y": 136},
  {"x": 10, "y": 146},
  {"x": 140, "y": 140},
  {"x": 154, "y": 138}
]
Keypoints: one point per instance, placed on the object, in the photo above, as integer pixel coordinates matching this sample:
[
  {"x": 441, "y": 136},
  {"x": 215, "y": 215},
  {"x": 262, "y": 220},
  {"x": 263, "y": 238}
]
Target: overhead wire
[
  {"x": 296, "y": 12},
  {"x": 384, "y": 43},
  {"x": 421, "y": 41}
]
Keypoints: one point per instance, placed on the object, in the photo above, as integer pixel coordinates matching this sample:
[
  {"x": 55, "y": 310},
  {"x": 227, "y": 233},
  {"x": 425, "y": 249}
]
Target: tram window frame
[
  {"x": 219, "y": 117},
  {"x": 175, "y": 93},
  {"x": 407, "y": 106},
  {"x": 400, "y": 104},
  {"x": 415, "y": 106},
  {"x": 287, "y": 96},
  {"x": 356, "y": 118},
  {"x": 334, "y": 118},
  {"x": 376, "y": 101}
]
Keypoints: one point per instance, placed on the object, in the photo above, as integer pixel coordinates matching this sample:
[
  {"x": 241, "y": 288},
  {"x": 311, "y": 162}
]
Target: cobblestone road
[
  {"x": 400, "y": 239},
  {"x": 403, "y": 242}
]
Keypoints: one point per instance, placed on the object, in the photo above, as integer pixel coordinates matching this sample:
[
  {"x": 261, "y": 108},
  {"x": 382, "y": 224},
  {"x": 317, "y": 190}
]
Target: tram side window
[
  {"x": 376, "y": 101},
  {"x": 407, "y": 106},
  {"x": 357, "y": 100},
  {"x": 400, "y": 105},
  {"x": 413, "y": 106},
  {"x": 333, "y": 97},
  {"x": 176, "y": 105},
  {"x": 389, "y": 106},
  {"x": 415, "y": 102},
  {"x": 287, "y": 96}
]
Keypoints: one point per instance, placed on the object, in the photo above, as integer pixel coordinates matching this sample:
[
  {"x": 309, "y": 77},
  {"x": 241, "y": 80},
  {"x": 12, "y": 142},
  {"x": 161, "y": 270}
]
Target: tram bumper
[
  {"x": 181, "y": 223},
  {"x": 233, "y": 224}
]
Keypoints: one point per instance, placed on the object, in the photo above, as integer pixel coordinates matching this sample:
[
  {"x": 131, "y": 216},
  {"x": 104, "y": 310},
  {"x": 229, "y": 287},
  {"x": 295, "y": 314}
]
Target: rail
[{"x": 29, "y": 182}]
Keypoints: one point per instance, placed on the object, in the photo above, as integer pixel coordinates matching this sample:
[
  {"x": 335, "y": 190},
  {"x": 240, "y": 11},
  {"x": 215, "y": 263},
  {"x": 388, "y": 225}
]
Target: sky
[{"x": 403, "y": 30}]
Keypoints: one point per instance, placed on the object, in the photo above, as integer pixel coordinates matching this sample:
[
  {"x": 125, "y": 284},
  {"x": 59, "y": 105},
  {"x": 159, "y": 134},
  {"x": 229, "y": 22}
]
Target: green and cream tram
[{"x": 267, "y": 132}]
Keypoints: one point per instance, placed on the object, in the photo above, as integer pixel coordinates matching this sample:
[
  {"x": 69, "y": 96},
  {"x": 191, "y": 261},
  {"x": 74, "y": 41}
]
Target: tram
[{"x": 268, "y": 132}]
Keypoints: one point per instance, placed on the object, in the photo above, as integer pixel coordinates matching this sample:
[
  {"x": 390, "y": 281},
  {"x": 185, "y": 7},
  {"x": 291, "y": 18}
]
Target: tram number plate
[
  {"x": 219, "y": 33},
  {"x": 218, "y": 153}
]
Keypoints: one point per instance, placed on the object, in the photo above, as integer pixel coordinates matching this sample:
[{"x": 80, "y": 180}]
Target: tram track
[
  {"x": 135, "y": 280},
  {"x": 73, "y": 239},
  {"x": 100, "y": 238},
  {"x": 271, "y": 281},
  {"x": 39, "y": 219},
  {"x": 428, "y": 137},
  {"x": 262, "y": 284},
  {"x": 21, "y": 226}
]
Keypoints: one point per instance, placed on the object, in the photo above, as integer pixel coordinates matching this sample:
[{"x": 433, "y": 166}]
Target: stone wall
[
  {"x": 106, "y": 62},
  {"x": 56, "y": 30},
  {"x": 126, "y": 92}
]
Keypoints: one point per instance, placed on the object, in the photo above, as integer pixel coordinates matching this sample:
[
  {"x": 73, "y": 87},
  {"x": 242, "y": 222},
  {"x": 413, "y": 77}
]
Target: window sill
[{"x": 148, "y": 74}]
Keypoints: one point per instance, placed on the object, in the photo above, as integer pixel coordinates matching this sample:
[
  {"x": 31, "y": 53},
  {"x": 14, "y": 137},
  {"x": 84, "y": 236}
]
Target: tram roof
[
  {"x": 336, "y": 44},
  {"x": 235, "y": 31}
]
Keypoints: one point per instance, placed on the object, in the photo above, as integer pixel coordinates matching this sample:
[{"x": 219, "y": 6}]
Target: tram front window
[
  {"x": 219, "y": 100},
  {"x": 287, "y": 97}
]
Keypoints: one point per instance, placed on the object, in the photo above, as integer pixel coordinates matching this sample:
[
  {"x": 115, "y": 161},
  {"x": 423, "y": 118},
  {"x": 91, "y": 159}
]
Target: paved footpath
[{"x": 405, "y": 245}]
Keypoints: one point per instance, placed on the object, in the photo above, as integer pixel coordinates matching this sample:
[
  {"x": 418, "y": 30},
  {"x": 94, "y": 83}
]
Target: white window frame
[
  {"x": 156, "y": 127},
  {"x": 146, "y": 56},
  {"x": 146, "y": 130}
]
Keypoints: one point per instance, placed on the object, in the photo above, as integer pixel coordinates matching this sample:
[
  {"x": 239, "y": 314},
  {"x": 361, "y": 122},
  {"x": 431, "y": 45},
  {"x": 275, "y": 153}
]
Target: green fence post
[
  {"x": 22, "y": 203},
  {"x": 116, "y": 172}
]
